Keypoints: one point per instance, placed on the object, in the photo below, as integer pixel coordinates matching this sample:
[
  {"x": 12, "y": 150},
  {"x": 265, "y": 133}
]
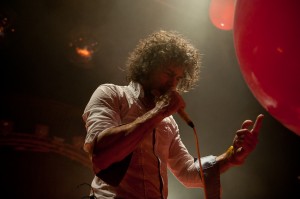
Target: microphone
[{"x": 185, "y": 117}]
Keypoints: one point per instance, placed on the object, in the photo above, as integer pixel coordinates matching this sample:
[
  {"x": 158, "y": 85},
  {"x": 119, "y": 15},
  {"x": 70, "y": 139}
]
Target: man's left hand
[{"x": 245, "y": 140}]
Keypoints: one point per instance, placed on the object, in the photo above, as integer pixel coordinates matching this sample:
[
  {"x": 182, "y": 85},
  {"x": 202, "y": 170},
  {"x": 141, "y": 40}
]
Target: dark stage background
[{"x": 45, "y": 85}]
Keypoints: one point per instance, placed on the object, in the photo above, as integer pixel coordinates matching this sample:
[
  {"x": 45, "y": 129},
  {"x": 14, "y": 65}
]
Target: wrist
[{"x": 230, "y": 156}]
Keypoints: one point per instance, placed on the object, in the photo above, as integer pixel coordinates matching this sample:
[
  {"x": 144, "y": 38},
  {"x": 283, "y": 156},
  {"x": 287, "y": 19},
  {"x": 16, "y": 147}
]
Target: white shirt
[{"x": 112, "y": 105}]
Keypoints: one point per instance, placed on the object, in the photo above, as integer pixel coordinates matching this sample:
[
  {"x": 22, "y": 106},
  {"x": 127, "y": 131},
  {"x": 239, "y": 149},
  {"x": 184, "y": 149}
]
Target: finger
[
  {"x": 250, "y": 143},
  {"x": 244, "y": 135},
  {"x": 246, "y": 145},
  {"x": 246, "y": 124},
  {"x": 240, "y": 136},
  {"x": 242, "y": 132},
  {"x": 246, "y": 148},
  {"x": 257, "y": 125},
  {"x": 237, "y": 144},
  {"x": 250, "y": 139}
]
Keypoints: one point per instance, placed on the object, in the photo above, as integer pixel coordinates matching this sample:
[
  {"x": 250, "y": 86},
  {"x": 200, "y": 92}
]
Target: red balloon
[
  {"x": 267, "y": 43},
  {"x": 221, "y": 13}
]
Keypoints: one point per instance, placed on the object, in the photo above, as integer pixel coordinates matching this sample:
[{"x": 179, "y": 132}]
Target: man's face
[{"x": 164, "y": 79}]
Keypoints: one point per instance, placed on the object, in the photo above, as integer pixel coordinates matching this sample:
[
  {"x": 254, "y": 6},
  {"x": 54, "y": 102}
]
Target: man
[{"x": 132, "y": 137}]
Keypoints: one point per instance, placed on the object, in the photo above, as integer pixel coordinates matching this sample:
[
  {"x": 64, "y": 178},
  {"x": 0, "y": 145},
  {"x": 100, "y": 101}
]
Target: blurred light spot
[
  {"x": 83, "y": 49},
  {"x": 1, "y": 31},
  {"x": 6, "y": 126},
  {"x": 221, "y": 13},
  {"x": 41, "y": 130},
  {"x": 5, "y": 25},
  {"x": 280, "y": 50},
  {"x": 84, "y": 52}
]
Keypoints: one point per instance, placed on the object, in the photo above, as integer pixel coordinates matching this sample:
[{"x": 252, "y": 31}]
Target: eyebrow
[{"x": 168, "y": 70}]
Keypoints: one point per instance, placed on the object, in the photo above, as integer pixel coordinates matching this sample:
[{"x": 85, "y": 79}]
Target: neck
[{"x": 149, "y": 99}]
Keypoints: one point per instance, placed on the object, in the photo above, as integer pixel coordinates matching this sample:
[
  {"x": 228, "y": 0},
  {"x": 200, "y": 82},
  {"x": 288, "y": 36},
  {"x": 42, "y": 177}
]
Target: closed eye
[{"x": 171, "y": 74}]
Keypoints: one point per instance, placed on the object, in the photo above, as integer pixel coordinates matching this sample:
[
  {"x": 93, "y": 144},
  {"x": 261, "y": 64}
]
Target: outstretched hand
[{"x": 245, "y": 140}]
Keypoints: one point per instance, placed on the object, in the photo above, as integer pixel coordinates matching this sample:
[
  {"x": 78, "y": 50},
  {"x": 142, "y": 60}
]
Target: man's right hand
[{"x": 169, "y": 103}]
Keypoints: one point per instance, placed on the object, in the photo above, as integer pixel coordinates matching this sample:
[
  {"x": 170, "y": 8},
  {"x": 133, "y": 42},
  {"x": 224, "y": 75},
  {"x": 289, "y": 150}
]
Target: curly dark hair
[{"x": 161, "y": 49}]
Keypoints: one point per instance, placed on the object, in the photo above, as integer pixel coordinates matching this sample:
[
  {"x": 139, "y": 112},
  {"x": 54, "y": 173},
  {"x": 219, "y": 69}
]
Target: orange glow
[{"x": 84, "y": 52}]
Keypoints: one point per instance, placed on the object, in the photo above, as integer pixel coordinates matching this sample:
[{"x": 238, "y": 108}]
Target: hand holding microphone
[{"x": 171, "y": 102}]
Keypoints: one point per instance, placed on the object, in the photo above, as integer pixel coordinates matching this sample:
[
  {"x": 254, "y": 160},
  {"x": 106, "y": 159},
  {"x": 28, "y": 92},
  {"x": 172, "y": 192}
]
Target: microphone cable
[
  {"x": 185, "y": 117},
  {"x": 199, "y": 160}
]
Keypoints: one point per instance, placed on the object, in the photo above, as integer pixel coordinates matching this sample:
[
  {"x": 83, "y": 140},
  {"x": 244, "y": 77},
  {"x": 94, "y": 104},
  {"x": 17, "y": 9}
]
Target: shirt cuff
[{"x": 206, "y": 162}]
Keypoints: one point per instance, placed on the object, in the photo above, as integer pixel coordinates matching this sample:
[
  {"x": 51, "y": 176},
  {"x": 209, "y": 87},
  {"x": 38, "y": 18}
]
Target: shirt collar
[{"x": 137, "y": 89}]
